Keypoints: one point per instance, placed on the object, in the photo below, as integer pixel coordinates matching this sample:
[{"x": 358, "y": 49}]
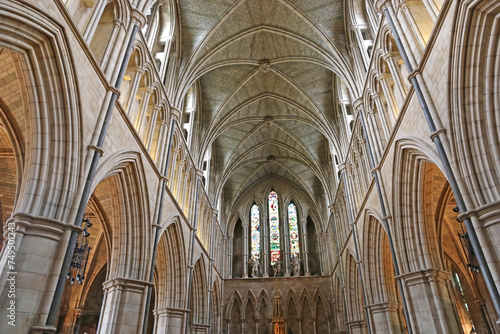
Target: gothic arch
[
  {"x": 263, "y": 297},
  {"x": 57, "y": 148},
  {"x": 199, "y": 294},
  {"x": 265, "y": 197},
  {"x": 474, "y": 107},
  {"x": 234, "y": 313},
  {"x": 290, "y": 298},
  {"x": 410, "y": 235},
  {"x": 123, "y": 172},
  {"x": 376, "y": 260},
  {"x": 354, "y": 298}
]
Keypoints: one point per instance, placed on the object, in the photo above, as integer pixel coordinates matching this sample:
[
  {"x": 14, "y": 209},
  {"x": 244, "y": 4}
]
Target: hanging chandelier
[{"x": 80, "y": 256}]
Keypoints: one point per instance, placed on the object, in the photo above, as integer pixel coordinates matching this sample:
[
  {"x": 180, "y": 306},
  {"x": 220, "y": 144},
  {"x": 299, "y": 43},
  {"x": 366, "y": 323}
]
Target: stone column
[
  {"x": 356, "y": 29},
  {"x": 357, "y": 327},
  {"x": 387, "y": 318},
  {"x": 93, "y": 21},
  {"x": 176, "y": 320},
  {"x": 322, "y": 252},
  {"x": 166, "y": 53},
  {"x": 199, "y": 328},
  {"x": 285, "y": 261},
  {"x": 346, "y": 119},
  {"x": 184, "y": 198},
  {"x": 139, "y": 72},
  {"x": 359, "y": 68},
  {"x": 161, "y": 321},
  {"x": 178, "y": 179},
  {"x": 398, "y": 82},
  {"x": 32, "y": 245},
  {"x": 265, "y": 247},
  {"x": 412, "y": 28},
  {"x": 230, "y": 256},
  {"x": 173, "y": 65},
  {"x": 378, "y": 146},
  {"x": 109, "y": 54},
  {"x": 75, "y": 328},
  {"x": 372, "y": 129},
  {"x": 149, "y": 133},
  {"x": 431, "y": 298},
  {"x": 305, "y": 247},
  {"x": 486, "y": 220},
  {"x": 245, "y": 249},
  {"x": 391, "y": 100},
  {"x": 381, "y": 113},
  {"x": 161, "y": 143},
  {"x": 138, "y": 120},
  {"x": 123, "y": 306}
]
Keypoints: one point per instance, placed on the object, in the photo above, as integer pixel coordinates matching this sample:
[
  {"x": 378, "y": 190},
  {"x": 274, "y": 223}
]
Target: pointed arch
[
  {"x": 411, "y": 229},
  {"x": 216, "y": 308},
  {"x": 199, "y": 294},
  {"x": 171, "y": 265},
  {"x": 123, "y": 174},
  {"x": 353, "y": 292},
  {"x": 55, "y": 163},
  {"x": 307, "y": 314},
  {"x": 234, "y": 313}
]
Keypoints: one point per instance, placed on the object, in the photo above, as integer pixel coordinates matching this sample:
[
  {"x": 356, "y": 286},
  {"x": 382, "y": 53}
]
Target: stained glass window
[
  {"x": 274, "y": 227},
  {"x": 294, "y": 231},
  {"x": 255, "y": 232}
]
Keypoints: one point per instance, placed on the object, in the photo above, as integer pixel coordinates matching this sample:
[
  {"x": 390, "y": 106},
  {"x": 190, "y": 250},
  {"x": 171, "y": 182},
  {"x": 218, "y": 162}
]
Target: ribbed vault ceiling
[{"x": 265, "y": 70}]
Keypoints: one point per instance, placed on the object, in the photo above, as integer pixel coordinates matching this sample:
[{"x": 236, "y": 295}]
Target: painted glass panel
[
  {"x": 274, "y": 227},
  {"x": 255, "y": 232},
  {"x": 294, "y": 231}
]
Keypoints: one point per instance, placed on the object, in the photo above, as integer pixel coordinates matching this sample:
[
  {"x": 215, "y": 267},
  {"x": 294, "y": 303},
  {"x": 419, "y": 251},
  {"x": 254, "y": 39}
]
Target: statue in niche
[
  {"x": 255, "y": 267},
  {"x": 277, "y": 269},
  {"x": 296, "y": 267}
]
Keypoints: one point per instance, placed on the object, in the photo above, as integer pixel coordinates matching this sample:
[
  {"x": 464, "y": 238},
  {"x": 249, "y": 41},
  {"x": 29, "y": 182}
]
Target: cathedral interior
[{"x": 250, "y": 166}]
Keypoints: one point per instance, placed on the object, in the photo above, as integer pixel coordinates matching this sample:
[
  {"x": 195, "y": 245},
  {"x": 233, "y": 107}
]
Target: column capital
[
  {"x": 425, "y": 275},
  {"x": 358, "y": 104},
  {"x": 156, "y": 108},
  {"x": 139, "y": 70},
  {"x": 41, "y": 226},
  {"x": 130, "y": 284},
  {"x": 413, "y": 74},
  {"x": 382, "y": 5},
  {"x": 388, "y": 55},
  {"x": 176, "y": 113},
  {"x": 199, "y": 173},
  {"x": 382, "y": 76},
  {"x": 138, "y": 18}
]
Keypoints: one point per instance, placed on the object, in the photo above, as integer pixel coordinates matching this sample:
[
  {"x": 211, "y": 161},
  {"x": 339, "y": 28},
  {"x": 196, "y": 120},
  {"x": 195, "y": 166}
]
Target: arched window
[
  {"x": 274, "y": 228},
  {"x": 294, "y": 231},
  {"x": 255, "y": 232}
]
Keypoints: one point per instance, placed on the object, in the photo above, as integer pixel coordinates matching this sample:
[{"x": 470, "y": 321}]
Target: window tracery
[
  {"x": 255, "y": 232},
  {"x": 294, "y": 231},
  {"x": 274, "y": 228}
]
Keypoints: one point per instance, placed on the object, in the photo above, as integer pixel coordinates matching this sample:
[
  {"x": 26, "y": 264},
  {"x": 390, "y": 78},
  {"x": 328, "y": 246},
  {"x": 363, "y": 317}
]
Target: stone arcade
[{"x": 162, "y": 160}]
